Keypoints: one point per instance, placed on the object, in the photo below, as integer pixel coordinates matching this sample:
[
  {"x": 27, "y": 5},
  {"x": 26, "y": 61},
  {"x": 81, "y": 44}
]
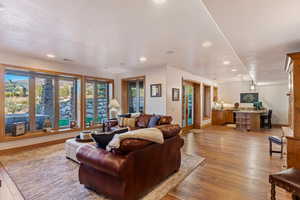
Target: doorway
[
  {"x": 133, "y": 95},
  {"x": 207, "y": 101},
  {"x": 190, "y": 105}
]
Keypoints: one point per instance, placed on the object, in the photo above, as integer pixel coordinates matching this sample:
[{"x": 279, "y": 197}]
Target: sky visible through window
[{"x": 15, "y": 77}]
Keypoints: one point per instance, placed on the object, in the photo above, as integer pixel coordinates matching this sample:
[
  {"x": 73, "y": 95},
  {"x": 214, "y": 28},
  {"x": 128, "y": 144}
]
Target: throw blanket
[{"x": 150, "y": 134}]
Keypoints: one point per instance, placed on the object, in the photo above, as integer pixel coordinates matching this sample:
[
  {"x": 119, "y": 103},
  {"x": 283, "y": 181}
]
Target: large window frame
[
  {"x": 32, "y": 116},
  {"x": 80, "y": 103}
]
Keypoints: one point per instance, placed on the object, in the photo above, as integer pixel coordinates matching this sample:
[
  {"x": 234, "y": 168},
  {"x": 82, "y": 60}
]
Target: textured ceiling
[
  {"x": 112, "y": 35},
  {"x": 261, "y": 32}
]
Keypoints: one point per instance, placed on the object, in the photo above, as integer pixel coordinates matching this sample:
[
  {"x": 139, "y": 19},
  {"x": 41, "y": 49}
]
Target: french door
[{"x": 136, "y": 96}]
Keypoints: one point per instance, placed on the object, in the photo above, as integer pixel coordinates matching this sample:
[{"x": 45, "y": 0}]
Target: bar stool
[{"x": 276, "y": 140}]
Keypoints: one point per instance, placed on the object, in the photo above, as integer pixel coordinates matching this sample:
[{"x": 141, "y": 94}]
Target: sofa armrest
[
  {"x": 104, "y": 161},
  {"x": 169, "y": 130}
]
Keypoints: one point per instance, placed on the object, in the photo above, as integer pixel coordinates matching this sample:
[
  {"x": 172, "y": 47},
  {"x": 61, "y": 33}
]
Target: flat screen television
[{"x": 248, "y": 97}]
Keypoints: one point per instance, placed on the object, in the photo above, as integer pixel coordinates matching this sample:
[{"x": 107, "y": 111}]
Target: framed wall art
[
  {"x": 155, "y": 90},
  {"x": 175, "y": 94}
]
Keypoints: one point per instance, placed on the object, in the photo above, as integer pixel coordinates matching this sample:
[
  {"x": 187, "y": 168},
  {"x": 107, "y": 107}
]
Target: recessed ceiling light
[
  {"x": 226, "y": 62},
  {"x": 207, "y": 44},
  {"x": 2, "y": 7},
  {"x": 143, "y": 59},
  {"x": 159, "y": 1},
  {"x": 234, "y": 70},
  {"x": 51, "y": 56}
]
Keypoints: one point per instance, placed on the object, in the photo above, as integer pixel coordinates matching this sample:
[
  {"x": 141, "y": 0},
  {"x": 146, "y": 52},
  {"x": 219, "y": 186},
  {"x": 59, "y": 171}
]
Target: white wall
[
  {"x": 273, "y": 97},
  {"x": 174, "y": 80},
  {"x": 169, "y": 77}
]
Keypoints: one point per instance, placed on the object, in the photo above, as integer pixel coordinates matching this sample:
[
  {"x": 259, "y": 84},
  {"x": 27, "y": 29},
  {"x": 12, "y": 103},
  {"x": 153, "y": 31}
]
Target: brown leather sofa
[{"x": 134, "y": 169}]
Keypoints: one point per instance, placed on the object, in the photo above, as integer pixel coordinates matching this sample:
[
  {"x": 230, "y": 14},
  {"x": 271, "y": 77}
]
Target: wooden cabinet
[
  {"x": 293, "y": 141},
  {"x": 220, "y": 117}
]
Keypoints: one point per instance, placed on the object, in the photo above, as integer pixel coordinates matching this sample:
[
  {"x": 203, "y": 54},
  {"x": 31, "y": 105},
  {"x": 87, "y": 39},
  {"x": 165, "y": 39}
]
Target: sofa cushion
[
  {"x": 165, "y": 120},
  {"x": 153, "y": 121},
  {"x": 169, "y": 130},
  {"x": 129, "y": 122},
  {"x": 143, "y": 120}
]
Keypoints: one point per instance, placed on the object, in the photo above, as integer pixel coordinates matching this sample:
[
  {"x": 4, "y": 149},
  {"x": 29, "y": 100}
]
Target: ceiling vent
[{"x": 67, "y": 60}]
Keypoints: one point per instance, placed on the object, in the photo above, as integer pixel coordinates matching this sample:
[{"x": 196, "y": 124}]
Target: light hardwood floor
[{"x": 236, "y": 168}]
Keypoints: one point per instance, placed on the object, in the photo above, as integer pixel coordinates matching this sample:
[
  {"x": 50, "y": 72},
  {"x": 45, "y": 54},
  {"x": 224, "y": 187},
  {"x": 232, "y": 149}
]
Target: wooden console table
[{"x": 248, "y": 120}]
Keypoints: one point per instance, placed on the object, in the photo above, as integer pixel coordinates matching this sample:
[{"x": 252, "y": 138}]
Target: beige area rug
[{"x": 45, "y": 174}]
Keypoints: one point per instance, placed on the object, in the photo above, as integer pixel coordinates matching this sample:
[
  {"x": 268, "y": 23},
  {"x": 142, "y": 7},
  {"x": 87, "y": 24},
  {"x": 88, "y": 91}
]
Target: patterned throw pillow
[
  {"x": 121, "y": 121},
  {"x": 165, "y": 120},
  {"x": 143, "y": 120},
  {"x": 129, "y": 122}
]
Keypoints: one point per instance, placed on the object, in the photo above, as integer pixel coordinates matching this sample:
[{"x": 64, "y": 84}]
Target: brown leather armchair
[{"x": 134, "y": 169}]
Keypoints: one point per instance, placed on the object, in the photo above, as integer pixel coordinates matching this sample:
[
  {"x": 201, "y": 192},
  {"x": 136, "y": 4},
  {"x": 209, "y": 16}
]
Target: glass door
[
  {"x": 136, "y": 96},
  {"x": 188, "y": 105}
]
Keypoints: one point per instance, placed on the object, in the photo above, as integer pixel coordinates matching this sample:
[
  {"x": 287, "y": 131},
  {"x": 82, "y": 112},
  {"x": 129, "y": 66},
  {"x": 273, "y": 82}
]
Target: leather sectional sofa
[{"x": 130, "y": 172}]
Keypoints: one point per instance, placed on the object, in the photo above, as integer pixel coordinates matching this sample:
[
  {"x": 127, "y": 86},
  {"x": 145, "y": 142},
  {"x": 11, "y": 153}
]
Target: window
[
  {"x": 67, "y": 102},
  {"x": 102, "y": 102},
  {"x": 16, "y": 100},
  {"x": 89, "y": 103},
  {"x": 44, "y": 102},
  {"x": 31, "y": 98},
  {"x": 97, "y": 96},
  {"x": 136, "y": 96}
]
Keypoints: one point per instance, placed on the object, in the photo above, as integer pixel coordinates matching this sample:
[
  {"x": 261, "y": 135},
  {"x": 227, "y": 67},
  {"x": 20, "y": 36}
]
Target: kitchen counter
[
  {"x": 248, "y": 120},
  {"x": 250, "y": 111}
]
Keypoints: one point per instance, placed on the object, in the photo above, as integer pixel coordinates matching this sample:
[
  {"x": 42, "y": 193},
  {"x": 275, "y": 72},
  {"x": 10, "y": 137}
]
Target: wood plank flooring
[{"x": 236, "y": 168}]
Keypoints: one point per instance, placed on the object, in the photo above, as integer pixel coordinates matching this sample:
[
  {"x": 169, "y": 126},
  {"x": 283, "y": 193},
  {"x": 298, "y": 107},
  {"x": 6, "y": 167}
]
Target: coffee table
[{"x": 71, "y": 145}]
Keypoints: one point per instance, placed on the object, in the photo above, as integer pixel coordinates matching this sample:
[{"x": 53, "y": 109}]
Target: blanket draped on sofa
[{"x": 149, "y": 134}]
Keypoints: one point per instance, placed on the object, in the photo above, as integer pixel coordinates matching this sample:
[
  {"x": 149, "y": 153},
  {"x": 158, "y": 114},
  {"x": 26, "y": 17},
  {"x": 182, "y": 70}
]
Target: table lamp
[{"x": 114, "y": 108}]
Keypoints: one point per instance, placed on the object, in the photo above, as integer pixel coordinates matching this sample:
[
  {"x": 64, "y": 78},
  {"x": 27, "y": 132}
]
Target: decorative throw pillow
[
  {"x": 129, "y": 122},
  {"x": 121, "y": 121},
  {"x": 143, "y": 120},
  {"x": 102, "y": 140},
  {"x": 153, "y": 121},
  {"x": 165, "y": 120},
  {"x": 125, "y": 122}
]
